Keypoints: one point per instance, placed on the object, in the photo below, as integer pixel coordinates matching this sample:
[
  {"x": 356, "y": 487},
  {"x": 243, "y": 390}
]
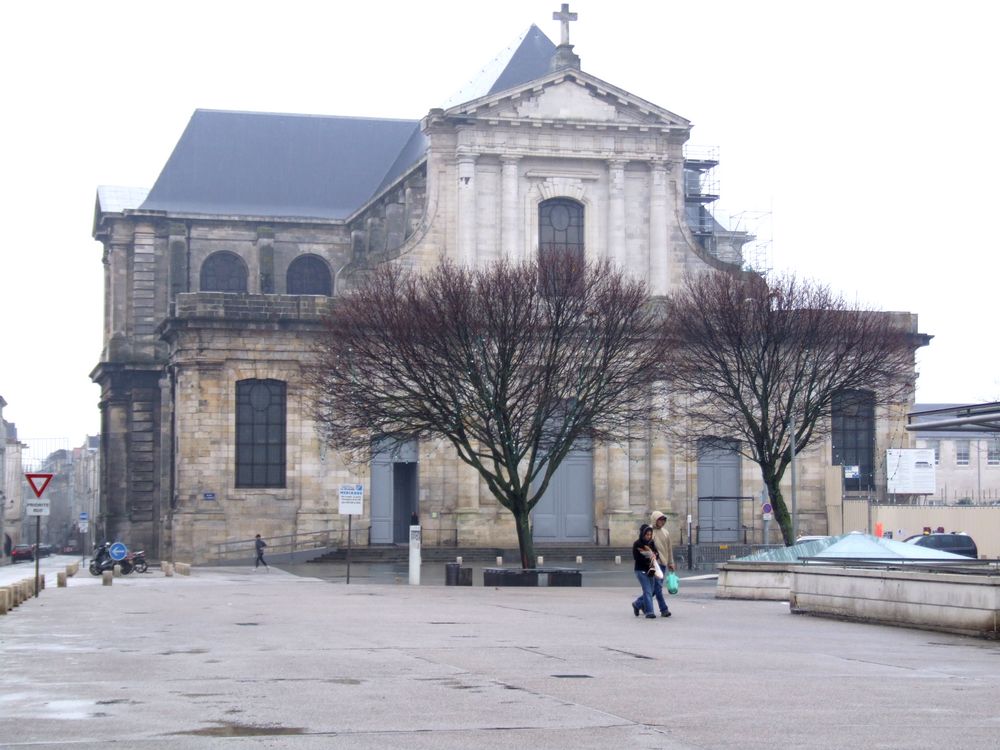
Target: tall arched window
[
  {"x": 260, "y": 433},
  {"x": 560, "y": 226},
  {"x": 223, "y": 272},
  {"x": 309, "y": 274}
]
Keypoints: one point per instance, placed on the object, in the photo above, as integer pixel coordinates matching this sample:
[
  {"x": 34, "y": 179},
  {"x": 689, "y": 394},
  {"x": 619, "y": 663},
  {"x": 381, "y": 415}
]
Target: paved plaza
[{"x": 276, "y": 660}]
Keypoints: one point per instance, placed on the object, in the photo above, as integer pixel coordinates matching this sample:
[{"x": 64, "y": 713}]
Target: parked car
[
  {"x": 959, "y": 544},
  {"x": 22, "y": 552},
  {"x": 44, "y": 550}
]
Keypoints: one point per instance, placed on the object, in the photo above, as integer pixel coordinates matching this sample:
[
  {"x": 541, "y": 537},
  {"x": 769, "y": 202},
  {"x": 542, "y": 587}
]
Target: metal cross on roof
[{"x": 565, "y": 17}]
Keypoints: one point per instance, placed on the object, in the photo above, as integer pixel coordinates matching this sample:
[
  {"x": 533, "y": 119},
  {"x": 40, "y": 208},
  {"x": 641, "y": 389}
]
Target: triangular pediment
[{"x": 569, "y": 95}]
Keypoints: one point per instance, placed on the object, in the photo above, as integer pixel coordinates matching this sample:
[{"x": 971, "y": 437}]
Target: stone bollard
[
  {"x": 182, "y": 569},
  {"x": 168, "y": 569},
  {"x": 116, "y": 571},
  {"x": 72, "y": 569},
  {"x": 107, "y": 577},
  {"x": 61, "y": 580},
  {"x": 4, "y": 600}
]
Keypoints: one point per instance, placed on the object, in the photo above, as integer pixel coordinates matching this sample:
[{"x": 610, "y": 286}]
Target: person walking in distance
[
  {"x": 259, "y": 545},
  {"x": 665, "y": 555}
]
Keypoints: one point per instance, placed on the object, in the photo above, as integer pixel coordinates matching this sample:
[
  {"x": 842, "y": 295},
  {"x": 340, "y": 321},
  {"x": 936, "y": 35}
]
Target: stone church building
[{"x": 216, "y": 279}]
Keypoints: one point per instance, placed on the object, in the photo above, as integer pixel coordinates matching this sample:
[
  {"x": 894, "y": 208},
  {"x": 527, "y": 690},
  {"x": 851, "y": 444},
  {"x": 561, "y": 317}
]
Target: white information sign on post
[
  {"x": 37, "y": 507},
  {"x": 352, "y": 499}
]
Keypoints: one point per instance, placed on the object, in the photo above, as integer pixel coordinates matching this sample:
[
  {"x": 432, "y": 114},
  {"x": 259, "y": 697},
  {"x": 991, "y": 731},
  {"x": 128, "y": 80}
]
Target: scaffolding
[{"x": 743, "y": 237}]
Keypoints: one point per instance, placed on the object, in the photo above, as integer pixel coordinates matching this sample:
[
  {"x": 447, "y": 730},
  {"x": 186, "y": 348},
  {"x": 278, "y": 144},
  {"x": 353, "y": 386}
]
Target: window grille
[
  {"x": 961, "y": 452},
  {"x": 260, "y": 433},
  {"x": 224, "y": 272},
  {"x": 309, "y": 274},
  {"x": 853, "y": 418}
]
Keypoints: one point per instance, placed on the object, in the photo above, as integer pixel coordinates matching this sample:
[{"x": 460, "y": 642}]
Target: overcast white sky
[{"x": 867, "y": 130}]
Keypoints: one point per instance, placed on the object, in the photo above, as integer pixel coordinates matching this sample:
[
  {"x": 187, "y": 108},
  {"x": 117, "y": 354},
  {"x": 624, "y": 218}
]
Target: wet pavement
[{"x": 276, "y": 660}]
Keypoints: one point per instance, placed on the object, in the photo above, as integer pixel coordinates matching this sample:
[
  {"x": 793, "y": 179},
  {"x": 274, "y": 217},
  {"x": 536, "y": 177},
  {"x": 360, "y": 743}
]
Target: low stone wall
[
  {"x": 950, "y": 602},
  {"x": 936, "y": 600},
  {"x": 754, "y": 581}
]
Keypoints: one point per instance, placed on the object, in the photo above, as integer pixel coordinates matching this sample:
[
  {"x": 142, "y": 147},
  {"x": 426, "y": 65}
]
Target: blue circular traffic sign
[
  {"x": 766, "y": 508},
  {"x": 118, "y": 551}
]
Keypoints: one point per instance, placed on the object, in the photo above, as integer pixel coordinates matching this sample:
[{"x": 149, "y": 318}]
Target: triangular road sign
[{"x": 38, "y": 483}]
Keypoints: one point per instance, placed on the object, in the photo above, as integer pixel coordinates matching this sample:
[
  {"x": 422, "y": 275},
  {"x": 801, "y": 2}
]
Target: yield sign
[{"x": 38, "y": 483}]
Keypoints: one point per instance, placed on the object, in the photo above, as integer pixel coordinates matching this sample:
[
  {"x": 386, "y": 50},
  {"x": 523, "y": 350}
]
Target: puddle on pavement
[{"x": 232, "y": 729}]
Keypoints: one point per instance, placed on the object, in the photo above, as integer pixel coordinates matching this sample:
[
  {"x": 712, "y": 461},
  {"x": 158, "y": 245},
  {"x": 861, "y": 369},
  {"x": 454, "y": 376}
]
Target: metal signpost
[
  {"x": 352, "y": 503},
  {"x": 84, "y": 525},
  {"x": 37, "y": 508}
]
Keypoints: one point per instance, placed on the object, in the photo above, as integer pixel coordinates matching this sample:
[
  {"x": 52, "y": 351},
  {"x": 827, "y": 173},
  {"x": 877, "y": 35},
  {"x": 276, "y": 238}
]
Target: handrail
[{"x": 285, "y": 543}]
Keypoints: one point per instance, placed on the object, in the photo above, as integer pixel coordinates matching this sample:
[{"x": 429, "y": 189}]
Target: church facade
[{"x": 218, "y": 276}]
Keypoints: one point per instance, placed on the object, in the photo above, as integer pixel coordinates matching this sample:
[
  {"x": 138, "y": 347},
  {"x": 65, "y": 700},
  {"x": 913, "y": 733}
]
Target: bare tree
[
  {"x": 749, "y": 357},
  {"x": 514, "y": 365}
]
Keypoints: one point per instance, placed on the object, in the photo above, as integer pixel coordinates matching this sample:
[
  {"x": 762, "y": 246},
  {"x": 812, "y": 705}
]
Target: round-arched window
[
  {"x": 560, "y": 226},
  {"x": 309, "y": 274},
  {"x": 223, "y": 272}
]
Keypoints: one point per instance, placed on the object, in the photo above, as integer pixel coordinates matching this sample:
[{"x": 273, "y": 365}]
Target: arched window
[
  {"x": 260, "y": 433},
  {"x": 560, "y": 226},
  {"x": 309, "y": 274},
  {"x": 224, "y": 272}
]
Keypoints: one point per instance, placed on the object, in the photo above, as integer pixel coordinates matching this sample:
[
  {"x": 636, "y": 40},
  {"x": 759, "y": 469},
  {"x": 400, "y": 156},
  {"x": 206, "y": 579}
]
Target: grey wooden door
[
  {"x": 718, "y": 494},
  {"x": 566, "y": 511},
  {"x": 394, "y": 491}
]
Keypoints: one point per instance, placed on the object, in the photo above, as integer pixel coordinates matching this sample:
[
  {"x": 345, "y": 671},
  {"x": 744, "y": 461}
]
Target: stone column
[
  {"x": 118, "y": 281},
  {"x": 616, "y": 212},
  {"x": 659, "y": 251},
  {"x": 467, "y": 208},
  {"x": 510, "y": 235}
]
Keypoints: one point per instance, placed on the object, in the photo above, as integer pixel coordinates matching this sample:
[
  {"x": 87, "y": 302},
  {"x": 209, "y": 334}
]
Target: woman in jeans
[{"x": 643, "y": 552}]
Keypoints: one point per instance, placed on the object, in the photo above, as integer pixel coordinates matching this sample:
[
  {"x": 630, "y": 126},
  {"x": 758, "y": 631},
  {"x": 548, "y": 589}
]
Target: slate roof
[
  {"x": 525, "y": 59},
  {"x": 287, "y": 166},
  {"x": 308, "y": 166}
]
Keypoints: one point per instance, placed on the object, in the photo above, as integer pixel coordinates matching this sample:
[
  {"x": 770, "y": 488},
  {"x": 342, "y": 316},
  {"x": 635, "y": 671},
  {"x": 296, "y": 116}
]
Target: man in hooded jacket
[{"x": 665, "y": 555}]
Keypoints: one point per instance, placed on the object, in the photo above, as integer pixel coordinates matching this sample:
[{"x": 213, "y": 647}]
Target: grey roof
[
  {"x": 525, "y": 59},
  {"x": 286, "y": 166},
  {"x": 307, "y": 166}
]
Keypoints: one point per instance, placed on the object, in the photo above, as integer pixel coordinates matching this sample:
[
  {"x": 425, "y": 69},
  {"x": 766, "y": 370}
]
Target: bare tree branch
[
  {"x": 515, "y": 365},
  {"x": 746, "y": 354}
]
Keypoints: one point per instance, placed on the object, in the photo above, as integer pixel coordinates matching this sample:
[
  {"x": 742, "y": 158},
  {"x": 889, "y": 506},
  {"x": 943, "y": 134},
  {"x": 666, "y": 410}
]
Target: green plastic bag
[{"x": 673, "y": 583}]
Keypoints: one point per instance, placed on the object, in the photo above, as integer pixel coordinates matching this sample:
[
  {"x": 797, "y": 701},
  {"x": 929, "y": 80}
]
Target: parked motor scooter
[{"x": 102, "y": 561}]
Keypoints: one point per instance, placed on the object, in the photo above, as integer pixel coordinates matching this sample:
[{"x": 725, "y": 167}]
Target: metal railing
[{"x": 287, "y": 544}]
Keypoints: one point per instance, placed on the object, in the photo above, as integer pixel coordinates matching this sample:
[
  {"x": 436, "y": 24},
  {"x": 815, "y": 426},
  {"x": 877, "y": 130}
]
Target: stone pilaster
[
  {"x": 510, "y": 242},
  {"x": 265, "y": 259},
  {"x": 177, "y": 245},
  {"x": 659, "y": 252},
  {"x": 143, "y": 281},
  {"x": 467, "y": 208},
  {"x": 616, "y": 212}
]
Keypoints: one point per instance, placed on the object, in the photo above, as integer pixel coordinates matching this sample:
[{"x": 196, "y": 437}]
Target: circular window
[
  {"x": 260, "y": 397},
  {"x": 559, "y": 216}
]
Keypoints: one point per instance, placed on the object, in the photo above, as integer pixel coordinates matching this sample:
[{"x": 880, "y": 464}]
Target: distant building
[{"x": 967, "y": 461}]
